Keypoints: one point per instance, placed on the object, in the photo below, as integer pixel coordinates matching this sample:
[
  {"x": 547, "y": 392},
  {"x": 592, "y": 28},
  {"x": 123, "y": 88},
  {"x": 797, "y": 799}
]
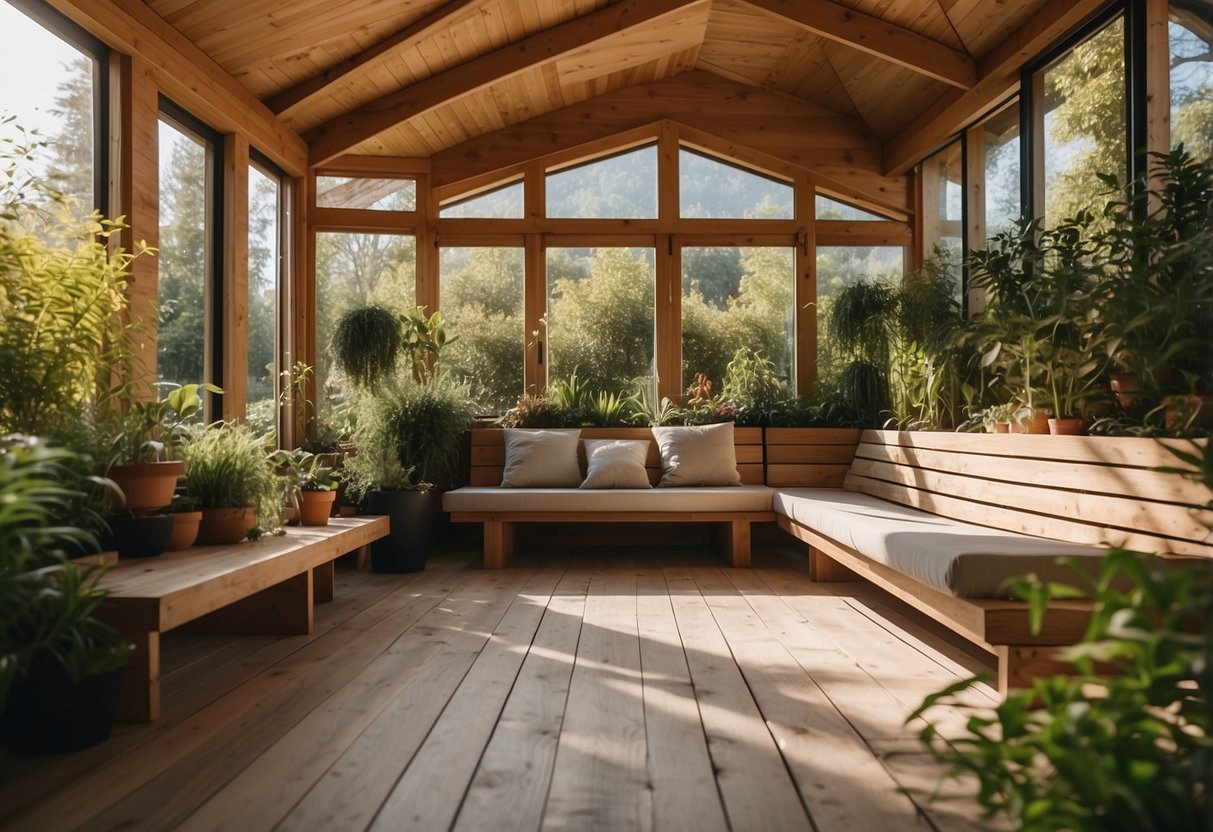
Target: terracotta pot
[
  {"x": 1072, "y": 426},
  {"x": 290, "y": 516},
  {"x": 185, "y": 530},
  {"x": 1002, "y": 427},
  {"x": 225, "y": 525},
  {"x": 1124, "y": 386},
  {"x": 1194, "y": 410},
  {"x": 1037, "y": 423},
  {"x": 146, "y": 486},
  {"x": 314, "y": 507}
]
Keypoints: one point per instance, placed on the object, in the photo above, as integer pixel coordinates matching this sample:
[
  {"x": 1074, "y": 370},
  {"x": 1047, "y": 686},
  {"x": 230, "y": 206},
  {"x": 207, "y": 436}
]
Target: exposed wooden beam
[
  {"x": 997, "y": 77},
  {"x": 876, "y": 37},
  {"x": 343, "y": 73},
  {"x": 772, "y": 131},
  {"x": 346, "y": 131},
  {"x": 189, "y": 76}
]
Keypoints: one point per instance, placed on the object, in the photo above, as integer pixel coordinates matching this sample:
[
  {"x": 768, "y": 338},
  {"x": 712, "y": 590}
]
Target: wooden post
[
  {"x": 234, "y": 372},
  {"x": 805, "y": 289},
  {"x": 139, "y": 700}
]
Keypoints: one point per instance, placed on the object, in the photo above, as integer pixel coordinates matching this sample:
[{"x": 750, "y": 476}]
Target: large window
[
  {"x": 186, "y": 258},
  {"x": 1001, "y": 192},
  {"x": 264, "y": 280},
  {"x": 943, "y": 206},
  {"x": 600, "y": 321},
  {"x": 50, "y": 84},
  {"x": 1191, "y": 58},
  {"x": 481, "y": 302},
  {"x": 504, "y": 202},
  {"x": 616, "y": 187},
  {"x": 354, "y": 270},
  {"x": 366, "y": 193},
  {"x": 837, "y": 268},
  {"x": 737, "y": 297},
  {"x": 1080, "y": 120}
]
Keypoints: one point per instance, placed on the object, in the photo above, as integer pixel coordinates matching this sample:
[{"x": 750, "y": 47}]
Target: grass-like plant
[
  {"x": 227, "y": 466},
  {"x": 1124, "y": 743},
  {"x": 366, "y": 344}
]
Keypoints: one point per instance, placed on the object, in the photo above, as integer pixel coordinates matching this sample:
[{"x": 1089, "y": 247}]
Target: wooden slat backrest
[
  {"x": 488, "y": 452},
  {"x": 1095, "y": 490},
  {"x": 809, "y": 456}
]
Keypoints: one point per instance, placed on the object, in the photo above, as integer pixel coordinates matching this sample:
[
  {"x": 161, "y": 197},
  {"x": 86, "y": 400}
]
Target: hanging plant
[{"x": 366, "y": 344}]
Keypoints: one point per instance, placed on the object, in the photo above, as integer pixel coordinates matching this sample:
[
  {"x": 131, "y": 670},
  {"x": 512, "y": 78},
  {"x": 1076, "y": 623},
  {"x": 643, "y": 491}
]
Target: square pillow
[
  {"x": 616, "y": 463},
  {"x": 697, "y": 455},
  {"x": 541, "y": 459}
]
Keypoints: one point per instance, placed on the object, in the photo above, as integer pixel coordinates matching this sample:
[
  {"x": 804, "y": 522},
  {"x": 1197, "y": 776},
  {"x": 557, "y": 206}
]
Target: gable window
[
  {"x": 623, "y": 186},
  {"x": 833, "y": 209},
  {"x": 366, "y": 193},
  {"x": 501, "y": 203},
  {"x": 710, "y": 187}
]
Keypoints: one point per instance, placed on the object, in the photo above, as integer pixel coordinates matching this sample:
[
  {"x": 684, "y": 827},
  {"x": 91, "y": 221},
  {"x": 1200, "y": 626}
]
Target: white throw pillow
[
  {"x": 616, "y": 463},
  {"x": 697, "y": 455},
  {"x": 541, "y": 459}
]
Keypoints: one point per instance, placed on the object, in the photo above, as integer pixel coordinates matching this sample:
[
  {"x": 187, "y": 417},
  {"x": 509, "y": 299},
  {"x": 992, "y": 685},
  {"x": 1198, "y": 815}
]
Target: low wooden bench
[
  {"x": 1097, "y": 491},
  {"x": 488, "y": 461},
  {"x": 266, "y": 586}
]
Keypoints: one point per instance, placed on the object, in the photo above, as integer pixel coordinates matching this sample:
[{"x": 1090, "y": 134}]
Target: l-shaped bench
[{"x": 939, "y": 520}]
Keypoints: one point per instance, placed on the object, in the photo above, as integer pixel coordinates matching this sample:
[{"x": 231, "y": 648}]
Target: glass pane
[
  {"x": 1084, "y": 124},
  {"x": 1191, "y": 37},
  {"x": 264, "y": 268},
  {"x": 832, "y": 209},
  {"x": 47, "y": 87},
  {"x": 1002, "y": 184},
  {"x": 709, "y": 187},
  {"x": 623, "y": 187},
  {"x": 354, "y": 270},
  {"x": 838, "y": 267},
  {"x": 944, "y": 172},
  {"x": 185, "y": 219},
  {"x": 481, "y": 302},
  {"x": 502, "y": 204},
  {"x": 600, "y": 316},
  {"x": 732, "y": 298},
  {"x": 366, "y": 193}
]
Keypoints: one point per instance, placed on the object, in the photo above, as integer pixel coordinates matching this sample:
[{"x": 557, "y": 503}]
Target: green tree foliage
[
  {"x": 184, "y": 224},
  {"x": 263, "y": 221}
]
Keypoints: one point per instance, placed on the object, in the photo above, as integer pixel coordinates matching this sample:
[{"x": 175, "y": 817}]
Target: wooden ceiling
[{"x": 415, "y": 78}]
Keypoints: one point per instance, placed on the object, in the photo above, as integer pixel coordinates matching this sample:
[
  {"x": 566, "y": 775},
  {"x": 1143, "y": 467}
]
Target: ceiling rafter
[
  {"x": 350, "y": 129},
  {"x": 290, "y": 102},
  {"x": 998, "y": 77},
  {"x": 876, "y": 37}
]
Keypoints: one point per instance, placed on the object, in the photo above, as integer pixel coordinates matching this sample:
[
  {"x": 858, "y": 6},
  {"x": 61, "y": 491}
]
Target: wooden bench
[
  {"x": 1084, "y": 490},
  {"x": 266, "y": 586},
  {"x": 488, "y": 460}
]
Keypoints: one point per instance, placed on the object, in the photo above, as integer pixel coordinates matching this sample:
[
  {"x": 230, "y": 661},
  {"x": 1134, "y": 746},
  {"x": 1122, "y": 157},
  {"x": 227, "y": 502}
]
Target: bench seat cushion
[
  {"x": 546, "y": 500},
  {"x": 963, "y": 559}
]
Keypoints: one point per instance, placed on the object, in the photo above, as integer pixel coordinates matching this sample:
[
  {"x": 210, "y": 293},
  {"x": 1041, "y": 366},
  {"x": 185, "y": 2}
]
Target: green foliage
[
  {"x": 47, "y": 605},
  {"x": 228, "y": 466},
  {"x": 1124, "y": 743},
  {"x": 414, "y": 428},
  {"x": 366, "y": 344},
  {"x": 424, "y": 340},
  {"x": 153, "y": 430},
  {"x": 755, "y": 389},
  {"x": 60, "y": 303}
]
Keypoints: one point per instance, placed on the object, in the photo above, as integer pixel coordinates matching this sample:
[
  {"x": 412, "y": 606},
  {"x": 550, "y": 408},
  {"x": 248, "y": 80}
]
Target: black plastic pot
[
  {"x": 141, "y": 537},
  {"x": 48, "y": 713},
  {"x": 407, "y": 546}
]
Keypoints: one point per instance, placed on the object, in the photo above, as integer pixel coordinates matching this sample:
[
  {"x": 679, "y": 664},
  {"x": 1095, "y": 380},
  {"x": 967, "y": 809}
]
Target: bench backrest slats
[
  {"x": 809, "y": 456},
  {"x": 488, "y": 452},
  {"x": 1094, "y": 490}
]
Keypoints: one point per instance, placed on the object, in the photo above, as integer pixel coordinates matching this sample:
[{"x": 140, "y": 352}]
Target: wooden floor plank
[
  {"x": 601, "y": 781},
  {"x": 815, "y": 739},
  {"x": 429, "y": 792},
  {"x": 363, "y": 718},
  {"x": 754, "y": 783},
  {"x": 515, "y": 771},
  {"x": 680, "y": 769}
]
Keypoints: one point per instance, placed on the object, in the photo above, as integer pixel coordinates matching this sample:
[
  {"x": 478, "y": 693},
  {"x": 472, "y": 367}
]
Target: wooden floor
[{"x": 615, "y": 689}]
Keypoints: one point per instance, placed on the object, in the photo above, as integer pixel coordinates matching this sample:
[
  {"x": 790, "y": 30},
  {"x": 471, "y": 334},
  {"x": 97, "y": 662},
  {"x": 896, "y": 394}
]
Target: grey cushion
[
  {"x": 697, "y": 455},
  {"x": 616, "y": 463},
  {"x": 964, "y": 559},
  {"x": 541, "y": 459},
  {"x": 740, "y": 498}
]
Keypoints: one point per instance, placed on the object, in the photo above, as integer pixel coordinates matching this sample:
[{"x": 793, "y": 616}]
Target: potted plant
[
  {"x": 408, "y": 436},
  {"x": 60, "y": 667},
  {"x": 366, "y": 344},
  {"x": 313, "y": 484},
  {"x": 229, "y": 477},
  {"x": 186, "y": 521}
]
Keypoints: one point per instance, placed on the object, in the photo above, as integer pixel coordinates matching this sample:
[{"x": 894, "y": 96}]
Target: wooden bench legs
[
  {"x": 499, "y": 540},
  {"x": 825, "y": 569},
  {"x": 735, "y": 543},
  {"x": 282, "y": 609}
]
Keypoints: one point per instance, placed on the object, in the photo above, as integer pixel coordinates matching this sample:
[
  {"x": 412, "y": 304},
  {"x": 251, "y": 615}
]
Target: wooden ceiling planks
[
  {"x": 887, "y": 96},
  {"x": 982, "y": 25}
]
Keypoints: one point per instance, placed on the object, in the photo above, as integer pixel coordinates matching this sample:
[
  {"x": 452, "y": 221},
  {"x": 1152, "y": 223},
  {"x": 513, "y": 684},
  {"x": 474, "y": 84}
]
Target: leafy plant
[
  {"x": 227, "y": 466},
  {"x": 366, "y": 344},
  {"x": 754, "y": 387},
  {"x": 1124, "y": 743},
  {"x": 423, "y": 342},
  {"x": 153, "y": 430}
]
